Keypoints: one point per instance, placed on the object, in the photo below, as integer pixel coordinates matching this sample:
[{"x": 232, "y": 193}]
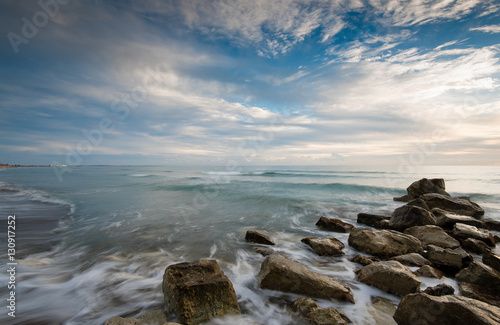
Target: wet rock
[
  {"x": 419, "y": 203},
  {"x": 258, "y": 238},
  {"x": 440, "y": 290},
  {"x": 421, "y": 308},
  {"x": 448, "y": 220},
  {"x": 199, "y": 291},
  {"x": 374, "y": 220},
  {"x": 408, "y": 216},
  {"x": 156, "y": 317},
  {"x": 412, "y": 259},
  {"x": 325, "y": 246},
  {"x": 454, "y": 205},
  {"x": 309, "y": 310},
  {"x": 281, "y": 274},
  {"x": 475, "y": 246},
  {"x": 448, "y": 260},
  {"x": 480, "y": 293},
  {"x": 264, "y": 251},
  {"x": 364, "y": 260},
  {"x": 463, "y": 231},
  {"x": 389, "y": 276},
  {"x": 429, "y": 272},
  {"x": 481, "y": 275},
  {"x": 333, "y": 224},
  {"x": 491, "y": 224},
  {"x": 433, "y": 235},
  {"x": 122, "y": 321},
  {"x": 491, "y": 259},
  {"x": 383, "y": 243}
]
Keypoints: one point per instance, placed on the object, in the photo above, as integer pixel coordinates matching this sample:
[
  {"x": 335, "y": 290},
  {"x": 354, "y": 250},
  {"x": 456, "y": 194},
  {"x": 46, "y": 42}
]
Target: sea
[{"x": 93, "y": 242}]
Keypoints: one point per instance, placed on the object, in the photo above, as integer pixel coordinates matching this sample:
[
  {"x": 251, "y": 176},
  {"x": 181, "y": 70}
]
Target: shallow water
[{"x": 96, "y": 244}]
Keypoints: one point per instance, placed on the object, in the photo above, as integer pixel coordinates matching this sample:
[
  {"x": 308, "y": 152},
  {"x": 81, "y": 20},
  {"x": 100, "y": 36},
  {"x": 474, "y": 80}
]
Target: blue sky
[{"x": 261, "y": 82}]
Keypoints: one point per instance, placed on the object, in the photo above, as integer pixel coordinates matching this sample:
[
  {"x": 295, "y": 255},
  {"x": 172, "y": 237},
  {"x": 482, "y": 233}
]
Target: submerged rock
[
  {"x": 281, "y": 274},
  {"x": 447, "y": 259},
  {"x": 433, "y": 235},
  {"x": 333, "y": 224},
  {"x": 383, "y": 243},
  {"x": 325, "y": 246},
  {"x": 408, "y": 216},
  {"x": 440, "y": 290},
  {"x": 309, "y": 310},
  {"x": 482, "y": 275},
  {"x": 421, "y": 308},
  {"x": 454, "y": 205},
  {"x": 199, "y": 291},
  {"x": 491, "y": 259},
  {"x": 258, "y": 238},
  {"x": 412, "y": 259},
  {"x": 480, "y": 293},
  {"x": 447, "y": 219},
  {"x": 390, "y": 276},
  {"x": 374, "y": 220},
  {"x": 429, "y": 272},
  {"x": 463, "y": 231},
  {"x": 364, "y": 260}
]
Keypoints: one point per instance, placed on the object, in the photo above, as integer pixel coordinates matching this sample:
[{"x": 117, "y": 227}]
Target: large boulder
[
  {"x": 421, "y": 308},
  {"x": 309, "y": 310},
  {"x": 447, "y": 219},
  {"x": 491, "y": 259},
  {"x": 408, "y": 216},
  {"x": 333, "y": 224},
  {"x": 480, "y": 293},
  {"x": 482, "y": 275},
  {"x": 253, "y": 236},
  {"x": 281, "y": 274},
  {"x": 383, "y": 243},
  {"x": 463, "y": 231},
  {"x": 411, "y": 259},
  {"x": 325, "y": 246},
  {"x": 454, "y": 205},
  {"x": 433, "y": 235},
  {"x": 199, "y": 291},
  {"x": 423, "y": 186},
  {"x": 390, "y": 276},
  {"x": 448, "y": 260},
  {"x": 374, "y": 220}
]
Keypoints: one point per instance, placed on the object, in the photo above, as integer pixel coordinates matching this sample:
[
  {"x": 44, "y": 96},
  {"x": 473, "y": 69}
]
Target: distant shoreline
[{"x": 25, "y": 166}]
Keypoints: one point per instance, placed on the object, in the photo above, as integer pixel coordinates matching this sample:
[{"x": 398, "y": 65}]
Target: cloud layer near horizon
[{"x": 261, "y": 82}]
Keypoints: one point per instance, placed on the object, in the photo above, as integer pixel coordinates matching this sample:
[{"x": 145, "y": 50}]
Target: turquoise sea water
[{"x": 95, "y": 243}]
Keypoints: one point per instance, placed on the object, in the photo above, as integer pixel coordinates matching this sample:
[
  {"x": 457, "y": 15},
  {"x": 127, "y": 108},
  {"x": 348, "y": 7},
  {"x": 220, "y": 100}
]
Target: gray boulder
[
  {"x": 199, "y": 291},
  {"x": 411, "y": 259},
  {"x": 383, "y": 243},
  {"x": 481, "y": 275},
  {"x": 463, "y": 231},
  {"x": 310, "y": 311},
  {"x": 433, "y": 235},
  {"x": 454, "y": 205},
  {"x": 408, "y": 216},
  {"x": 374, "y": 220},
  {"x": 389, "y": 276},
  {"x": 421, "y": 308},
  {"x": 333, "y": 224},
  {"x": 325, "y": 246},
  {"x": 281, "y": 274}
]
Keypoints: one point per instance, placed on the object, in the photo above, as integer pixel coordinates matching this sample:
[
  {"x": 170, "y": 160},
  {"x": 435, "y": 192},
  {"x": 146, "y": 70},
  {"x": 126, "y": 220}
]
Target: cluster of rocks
[{"x": 432, "y": 231}]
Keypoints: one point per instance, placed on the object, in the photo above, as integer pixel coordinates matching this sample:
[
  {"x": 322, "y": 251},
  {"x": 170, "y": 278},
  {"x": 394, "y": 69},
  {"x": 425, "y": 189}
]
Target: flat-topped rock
[
  {"x": 408, "y": 216},
  {"x": 463, "y": 231},
  {"x": 433, "y": 235},
  {"x": 421, "y": 308},
  {"x": 383, "y": 243},
  {"x": 411, "y": 259},
  {"x": 374, "y": 220},
  {"x": 196, "y": 292},
  {"x": 448, "y": 260},
  {"x": 281, "y": 274},
  {"x": 333, "y": 224},
  {"x": 454, "y": 205},
  {"x": 429, "y": 272},
  {"x": 447, "y": 219},
  {"x": 389, "y": 276},
  {"x": 253, "y": 236},
  {"x": 325, "y": 246}
]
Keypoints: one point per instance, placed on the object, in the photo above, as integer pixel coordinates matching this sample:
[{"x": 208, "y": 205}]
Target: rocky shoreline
[{"x": 432, "y": 231}]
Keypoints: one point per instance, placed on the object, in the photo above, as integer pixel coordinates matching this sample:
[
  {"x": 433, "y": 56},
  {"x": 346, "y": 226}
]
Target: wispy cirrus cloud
[{"x": 492, "y": 29}]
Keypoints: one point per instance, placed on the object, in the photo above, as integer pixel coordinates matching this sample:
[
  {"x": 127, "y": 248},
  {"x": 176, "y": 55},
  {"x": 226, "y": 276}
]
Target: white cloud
[{"x": 492, "y": 29}]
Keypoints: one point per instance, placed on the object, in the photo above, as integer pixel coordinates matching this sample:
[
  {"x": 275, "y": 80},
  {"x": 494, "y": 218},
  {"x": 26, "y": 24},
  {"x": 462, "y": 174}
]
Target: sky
[{"x": 261, "y": 82}]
